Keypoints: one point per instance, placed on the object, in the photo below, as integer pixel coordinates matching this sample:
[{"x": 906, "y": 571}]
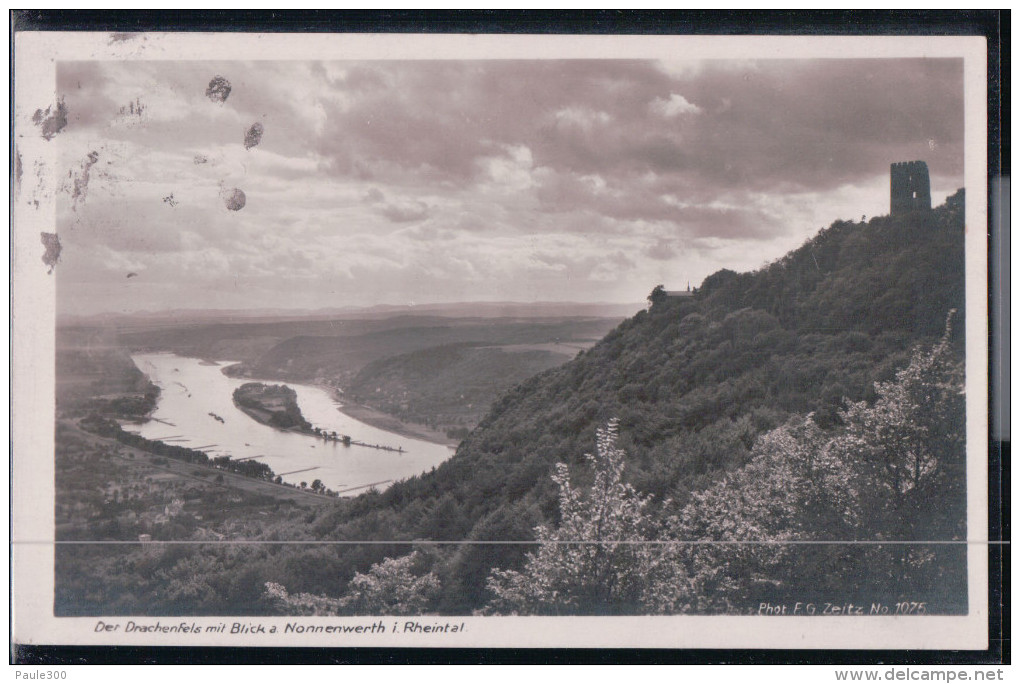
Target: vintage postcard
[{"x": 500, "y": 341}]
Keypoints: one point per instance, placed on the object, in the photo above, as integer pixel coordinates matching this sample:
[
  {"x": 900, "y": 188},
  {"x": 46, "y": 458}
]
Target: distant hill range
[
  {"x": 452, "y": 386},
  {"x": 693, "y": 381},
  {"x": 434, "y": 368},
  {"x": 452, "y": 309}
]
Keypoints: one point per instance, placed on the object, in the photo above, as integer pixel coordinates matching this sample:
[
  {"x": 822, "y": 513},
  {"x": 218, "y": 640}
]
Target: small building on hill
[{"x": 680, "y": 293}]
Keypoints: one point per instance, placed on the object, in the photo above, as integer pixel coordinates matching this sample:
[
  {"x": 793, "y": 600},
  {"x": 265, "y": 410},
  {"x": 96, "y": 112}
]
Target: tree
[
  {"x": 894, "y": 472},
  {"x": 598, "y": 561},
  {"x": 388, "y": 588},
  {"x": 278, "y": 598},
  {"x": 770, "y": 500},
  {"x": 658, "y": 295},
  {"x": 910, "y": 449}
]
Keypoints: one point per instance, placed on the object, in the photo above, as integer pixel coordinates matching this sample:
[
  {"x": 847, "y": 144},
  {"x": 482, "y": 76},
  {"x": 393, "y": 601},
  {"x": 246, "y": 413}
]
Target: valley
[{"x": 696, "y": 390}]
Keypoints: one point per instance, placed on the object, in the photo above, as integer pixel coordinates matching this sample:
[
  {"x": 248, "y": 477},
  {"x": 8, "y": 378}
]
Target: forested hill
[{"x": 693, "y": 382}]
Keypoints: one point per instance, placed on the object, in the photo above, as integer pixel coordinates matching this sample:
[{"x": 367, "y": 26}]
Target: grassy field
[
  {"x": 90, "y": 364},
  {"x": 91, "y": 468}
]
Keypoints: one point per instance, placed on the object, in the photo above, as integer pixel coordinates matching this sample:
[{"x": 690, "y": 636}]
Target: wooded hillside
[{"x": 693, "y": 382}]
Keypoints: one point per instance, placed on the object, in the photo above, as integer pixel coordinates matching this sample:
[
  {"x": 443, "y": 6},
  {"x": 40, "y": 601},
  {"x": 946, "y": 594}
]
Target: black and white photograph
[{"x": 419, "y": 344}]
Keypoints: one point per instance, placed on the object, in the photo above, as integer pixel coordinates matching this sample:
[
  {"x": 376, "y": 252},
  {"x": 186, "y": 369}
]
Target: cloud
[
  {"x": 511, "y": 171},
  {"x": 512, "y": 179},
  {"x": 675, "y": 106},
  {"x": 585, "y": 119},
  {"x": 404, "y": 210},
  {"x": 398, "y": 209}
]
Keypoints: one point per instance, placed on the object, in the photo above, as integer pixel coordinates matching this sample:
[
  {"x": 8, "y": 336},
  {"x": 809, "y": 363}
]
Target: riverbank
[
  {"x": 257, "y": 415},
  {"x": 293, "y": 453},
  {"x": 360, "y": 412},
  {"x": 276, "y": 406},
  {"x": 138, "y": 457},
  {"x": 385, "y": 421}
]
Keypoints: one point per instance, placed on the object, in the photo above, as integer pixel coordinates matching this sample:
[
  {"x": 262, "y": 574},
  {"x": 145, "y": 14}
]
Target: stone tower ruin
[{"x": 909, "y": 187}]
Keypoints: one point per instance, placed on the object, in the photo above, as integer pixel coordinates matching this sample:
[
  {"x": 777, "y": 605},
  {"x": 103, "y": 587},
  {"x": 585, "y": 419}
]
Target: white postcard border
[{"x": 36, "y": 55}]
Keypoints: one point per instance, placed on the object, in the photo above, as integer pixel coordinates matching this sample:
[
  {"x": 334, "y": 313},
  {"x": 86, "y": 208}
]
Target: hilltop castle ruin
[{"x": 909, "y": 187}]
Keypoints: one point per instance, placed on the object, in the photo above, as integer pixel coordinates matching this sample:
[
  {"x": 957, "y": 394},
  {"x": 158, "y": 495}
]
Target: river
[{"x": 193, "y": 389}]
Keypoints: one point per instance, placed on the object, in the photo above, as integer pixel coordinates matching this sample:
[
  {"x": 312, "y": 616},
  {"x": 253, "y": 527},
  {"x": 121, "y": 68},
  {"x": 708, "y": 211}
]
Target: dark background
[{"x": 993, "y": 24}]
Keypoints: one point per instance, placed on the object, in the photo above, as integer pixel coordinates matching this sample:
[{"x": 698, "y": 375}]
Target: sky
[{"x": 417, "y": 182}]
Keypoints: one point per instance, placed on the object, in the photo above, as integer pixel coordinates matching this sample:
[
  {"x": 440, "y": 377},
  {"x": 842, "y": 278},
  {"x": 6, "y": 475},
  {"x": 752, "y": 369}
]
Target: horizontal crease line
[{"x": 516, "y": 542}]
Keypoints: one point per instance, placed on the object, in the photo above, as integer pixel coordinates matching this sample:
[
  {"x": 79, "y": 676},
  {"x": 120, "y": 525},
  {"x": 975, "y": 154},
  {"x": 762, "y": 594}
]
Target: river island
[
  {"x": 273, "y": 405},
  {"x": 277, "y": 406}
]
